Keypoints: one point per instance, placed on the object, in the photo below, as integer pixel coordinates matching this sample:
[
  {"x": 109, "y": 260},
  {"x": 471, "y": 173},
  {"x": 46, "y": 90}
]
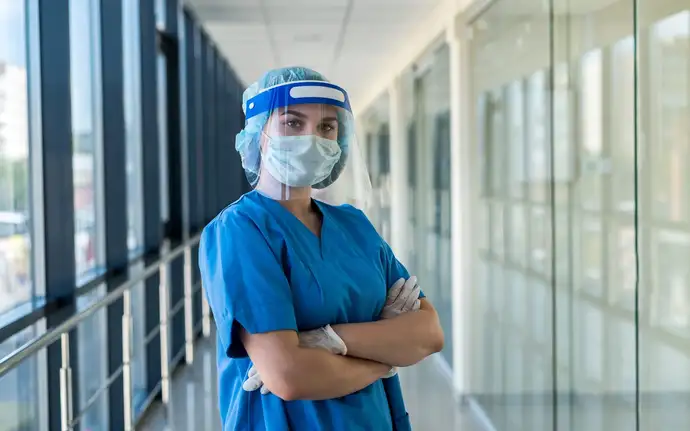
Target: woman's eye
[{"x": 294, "y": 123}]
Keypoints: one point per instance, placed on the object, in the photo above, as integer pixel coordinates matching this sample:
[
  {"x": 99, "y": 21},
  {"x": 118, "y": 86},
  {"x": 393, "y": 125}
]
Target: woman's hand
[
  {"x": 322, "y": 338},
  {"x": 403, "y": 296}
]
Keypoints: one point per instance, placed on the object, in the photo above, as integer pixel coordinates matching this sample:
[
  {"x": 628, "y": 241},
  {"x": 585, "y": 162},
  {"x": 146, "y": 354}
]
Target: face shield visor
[{"x": 307, "y": 146}]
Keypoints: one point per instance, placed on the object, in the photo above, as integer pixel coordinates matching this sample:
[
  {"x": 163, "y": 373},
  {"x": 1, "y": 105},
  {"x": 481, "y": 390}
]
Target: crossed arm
[
  {"x": 401, "y": 341},
  {"x": 293, "y": 372}
]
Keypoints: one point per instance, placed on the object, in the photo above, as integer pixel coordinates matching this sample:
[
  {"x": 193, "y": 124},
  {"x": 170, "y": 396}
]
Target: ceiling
[{"x": 350, "y": 41}]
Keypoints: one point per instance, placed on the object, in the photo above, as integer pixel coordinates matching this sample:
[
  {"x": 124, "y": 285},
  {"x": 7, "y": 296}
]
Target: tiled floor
[{"x": 193, "y": 398}]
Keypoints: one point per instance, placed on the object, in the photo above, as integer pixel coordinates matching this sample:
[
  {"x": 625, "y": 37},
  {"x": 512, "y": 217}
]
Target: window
[
  {"x": 85, "y": 136},
  {"x": 131, "y": 58},
  {"x": 16, "y": 285},
  {"x": 132, "y": 106},
  {"x": 24, "y": 389},
  {"x": 160, "y": 14},
  {"x": 92, "y": 371}
]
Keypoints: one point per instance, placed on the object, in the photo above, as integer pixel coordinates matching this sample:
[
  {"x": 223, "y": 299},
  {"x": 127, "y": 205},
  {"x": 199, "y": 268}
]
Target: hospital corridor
[{"x": 380, "y": 215}]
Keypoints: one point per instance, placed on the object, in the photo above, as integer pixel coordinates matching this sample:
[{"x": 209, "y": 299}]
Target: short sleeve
[
  {"x": 394, "y": 269},
  {"x": 244, "y": 282}
]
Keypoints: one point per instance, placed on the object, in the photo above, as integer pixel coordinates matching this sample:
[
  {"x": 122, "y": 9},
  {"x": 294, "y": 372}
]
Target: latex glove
[
  {"x": 393, "y": 371},
  {"x": 323, "y": 338},
  {"x": 403, "y": 296},
  {"x": 254, "y": 382}
]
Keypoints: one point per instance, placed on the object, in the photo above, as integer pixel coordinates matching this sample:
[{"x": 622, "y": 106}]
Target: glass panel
[
  {"x": 537, "y": 126},
  {"x": 160, "y": 14},
  {"x": 85, "y": 141},
  {"x": 664, "y": 343},
  {"x": 23, "y": 399},
  {"x": 162, "y": 93},
  {"x": 518, "y": 236},
  {"x": 376, "y": 132},
  {"x": 93, "y": 366},
  {"x": 593, "y": 165},
  {"x": 670, "y": 292},
  {"x": 132, "y": 105},
  {"x": 497, "y": 150},
  {"x": 540, "y": 240},
  {"x": 669, "y": 61},
  {"x": 15, "y": 211},
  {"x": 622, "y": 130},
  {"x": 139, "y": 382},
  {"x": 591, "y": 253},
  {"x": 516, "y": 139}
]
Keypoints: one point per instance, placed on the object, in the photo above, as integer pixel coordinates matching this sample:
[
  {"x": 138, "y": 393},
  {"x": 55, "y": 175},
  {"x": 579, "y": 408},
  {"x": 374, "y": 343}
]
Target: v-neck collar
[{"x": 319, "y": 239}]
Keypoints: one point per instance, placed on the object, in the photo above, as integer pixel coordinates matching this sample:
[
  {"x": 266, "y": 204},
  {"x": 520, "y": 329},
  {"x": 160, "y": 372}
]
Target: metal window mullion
[
  {"x": 56, "y": 176},
  {"x": 151, "y": 184}
]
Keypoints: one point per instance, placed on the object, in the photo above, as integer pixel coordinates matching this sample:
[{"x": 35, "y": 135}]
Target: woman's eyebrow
[
  {"x": 295, "y": 113},
  {"x": 329, "y": 119}
]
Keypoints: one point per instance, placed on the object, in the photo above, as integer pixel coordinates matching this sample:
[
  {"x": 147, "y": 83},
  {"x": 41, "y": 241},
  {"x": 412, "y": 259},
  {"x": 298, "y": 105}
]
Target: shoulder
[
  {"x": 351, "y": 216},
  {"x": 236, "y": 220},
  {"x": 355, "y": 224}
]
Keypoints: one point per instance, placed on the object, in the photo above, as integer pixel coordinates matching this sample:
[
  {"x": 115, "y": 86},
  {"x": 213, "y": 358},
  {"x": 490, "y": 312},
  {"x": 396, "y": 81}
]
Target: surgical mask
[{"x": 300, "y": 161}]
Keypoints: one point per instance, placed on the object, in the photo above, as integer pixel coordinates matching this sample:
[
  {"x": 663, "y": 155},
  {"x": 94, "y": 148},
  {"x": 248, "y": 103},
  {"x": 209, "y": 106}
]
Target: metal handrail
[{"x": 62, "y": 332}]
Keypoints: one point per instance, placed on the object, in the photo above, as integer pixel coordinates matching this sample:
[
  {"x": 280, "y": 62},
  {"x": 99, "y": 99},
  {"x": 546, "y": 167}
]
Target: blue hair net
[{"x": 247, "y": 142}]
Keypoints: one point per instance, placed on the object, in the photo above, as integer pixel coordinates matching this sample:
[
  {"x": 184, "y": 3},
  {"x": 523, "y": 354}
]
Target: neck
[
  {"x": 297, "y": 200},
  {"x": 299, "y": 207}
]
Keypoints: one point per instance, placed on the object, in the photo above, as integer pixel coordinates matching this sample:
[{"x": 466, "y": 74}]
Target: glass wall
[
  {"x": 376, "y": 135},
  {"x": 582, "y": 218},
  {"x": 86, "y": 136},
  {"x": 16, "y": 281},
  {"x": 425, "y": 94}
]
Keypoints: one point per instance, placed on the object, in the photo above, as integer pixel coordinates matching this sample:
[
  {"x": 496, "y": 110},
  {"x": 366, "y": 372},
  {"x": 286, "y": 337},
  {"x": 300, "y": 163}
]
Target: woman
[{"x": 299, "y": 288}]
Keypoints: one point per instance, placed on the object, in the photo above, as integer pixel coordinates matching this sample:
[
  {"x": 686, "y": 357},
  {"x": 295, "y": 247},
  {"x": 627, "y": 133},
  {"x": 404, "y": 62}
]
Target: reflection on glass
[
  {"x": 518, "y": 299},
  {"x": 591, "y": 125},
  {"x": 540, "y": 240},
  {"x": 540, "y": 302},
  {"x": 622, "y": 277},
  {"x": 496, "y": 141},
  {"x": 16, "y": 284},
  {"x": 516, "y": 139},
  {"x": 132, "y": 105},
  {"x": 562, "y": 125},
  {"x": 670, "y": 97},
  {"x": 620, "y": 355},
  {"x": 589, "y": 343},
  {"x": 22, "y": 398},
  {"x": 670, "y": 293},
  {"x": 518, "y": 235},
  {"x": 591, "y": 252},
  {"x": 537, "y": 115},
  {"x": 622, "y": 129},
  {"x": 497, "y": 230},
  {"x": 83, "y": 39}
]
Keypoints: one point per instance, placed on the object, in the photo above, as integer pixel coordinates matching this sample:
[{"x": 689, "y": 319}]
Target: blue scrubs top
[{"x": 264, "y": 270}]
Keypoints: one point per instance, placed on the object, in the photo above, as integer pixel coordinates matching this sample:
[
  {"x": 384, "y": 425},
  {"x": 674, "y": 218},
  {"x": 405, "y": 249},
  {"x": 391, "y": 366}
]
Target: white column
[
  {"x": 460, "y": 191},
  {"x": 398, "y": 173}
]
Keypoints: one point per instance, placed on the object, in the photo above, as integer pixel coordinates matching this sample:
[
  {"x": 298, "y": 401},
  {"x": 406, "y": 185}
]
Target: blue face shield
[{"x": 299, "y": 139}]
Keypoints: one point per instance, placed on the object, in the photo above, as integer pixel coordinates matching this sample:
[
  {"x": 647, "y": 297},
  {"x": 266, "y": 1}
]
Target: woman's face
[{"x": 307, "y": 119}]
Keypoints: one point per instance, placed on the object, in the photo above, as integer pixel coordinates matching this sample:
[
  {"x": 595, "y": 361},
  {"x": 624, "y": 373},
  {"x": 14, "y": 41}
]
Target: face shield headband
[{"x": 296, "y": 93}]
